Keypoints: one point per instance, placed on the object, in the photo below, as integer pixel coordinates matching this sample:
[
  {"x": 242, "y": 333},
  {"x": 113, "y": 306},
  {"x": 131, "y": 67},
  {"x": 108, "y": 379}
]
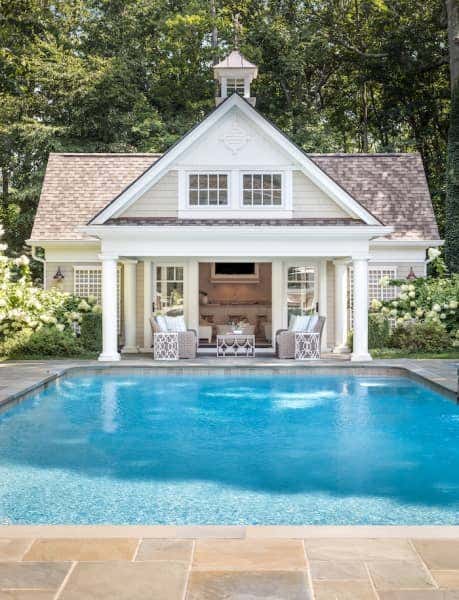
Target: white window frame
[
  {"x": 207, "y": 207},
  {"x": 236, "y": 79},
  {"x": 275, "y": 207}
]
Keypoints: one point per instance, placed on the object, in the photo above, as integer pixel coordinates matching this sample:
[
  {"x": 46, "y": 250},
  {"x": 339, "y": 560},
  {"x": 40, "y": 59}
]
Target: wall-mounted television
[{"x": 235, "y": 271}]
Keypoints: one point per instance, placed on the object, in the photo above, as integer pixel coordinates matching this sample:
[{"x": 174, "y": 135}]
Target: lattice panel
[
  {"x": 307, "y": 345},
  {"x": 235, "y": 345},
  {"x": 166, "y": 346}
]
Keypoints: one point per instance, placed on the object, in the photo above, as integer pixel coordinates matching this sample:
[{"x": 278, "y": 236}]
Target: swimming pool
[{"x": 264, "y": 449}]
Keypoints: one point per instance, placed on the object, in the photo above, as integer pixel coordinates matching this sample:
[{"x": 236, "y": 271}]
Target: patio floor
[{"x": 229, "y": 569}]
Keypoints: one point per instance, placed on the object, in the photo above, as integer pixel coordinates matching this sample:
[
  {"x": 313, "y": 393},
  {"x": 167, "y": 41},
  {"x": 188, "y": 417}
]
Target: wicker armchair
[
  {"x": 187, "y": 340},
  {"x": 285, "y": 339}
]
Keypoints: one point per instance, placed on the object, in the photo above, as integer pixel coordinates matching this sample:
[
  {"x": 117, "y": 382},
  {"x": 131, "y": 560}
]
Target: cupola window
[{"x": 235, "y": 85}]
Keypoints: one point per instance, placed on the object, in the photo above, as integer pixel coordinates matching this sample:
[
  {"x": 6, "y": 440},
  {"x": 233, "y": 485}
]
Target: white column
[
  {"x": 360, "y": 351},
  {"x": 147, "y": 304},
  {"x": 109, "y": 308},
  {"x": 277, "y": 295},
  {"x": 340, "y": 306},
  {"x": 129, "y": 302},
  {"x": 323, "y": 300},
  {"x": 192, "y": 294}
]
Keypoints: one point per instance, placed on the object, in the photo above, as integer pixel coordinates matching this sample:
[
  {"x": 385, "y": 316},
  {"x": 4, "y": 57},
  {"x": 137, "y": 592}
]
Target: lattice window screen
[
  {"x": 88, "y": 282},
  {"x": 375, "y": 289}
]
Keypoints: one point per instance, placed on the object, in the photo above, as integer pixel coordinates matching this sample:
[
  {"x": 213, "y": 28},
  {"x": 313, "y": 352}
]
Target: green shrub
[
  {"x": 44, "y": 343},
  {"x": 378, "y": 331},
  {"x": 91, "y": 332},
  {"x": 423, "y": 336}
]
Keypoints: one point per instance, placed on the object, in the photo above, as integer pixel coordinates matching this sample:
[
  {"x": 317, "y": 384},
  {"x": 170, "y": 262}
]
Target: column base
[
  {"x": 360, "y": 357},
  {"x": 146, "y": 350},
  {"x": 129, "y": 350},
  {"x": 109, "y": 357},
  {"x": 341, "y": 350}
]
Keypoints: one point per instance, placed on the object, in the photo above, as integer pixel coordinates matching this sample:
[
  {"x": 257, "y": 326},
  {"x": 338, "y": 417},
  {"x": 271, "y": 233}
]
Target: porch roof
[{"x": 231, "y": 222}]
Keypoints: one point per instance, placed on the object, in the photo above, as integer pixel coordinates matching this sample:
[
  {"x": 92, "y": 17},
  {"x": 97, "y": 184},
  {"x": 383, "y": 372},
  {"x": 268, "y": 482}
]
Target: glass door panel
[
  {"x": 301, "y": 290},
  {"x": 169, "y": 289}
]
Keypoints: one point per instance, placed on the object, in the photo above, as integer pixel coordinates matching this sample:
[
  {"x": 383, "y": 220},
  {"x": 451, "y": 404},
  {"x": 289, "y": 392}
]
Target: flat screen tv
[{"x": 244, "y": 271}]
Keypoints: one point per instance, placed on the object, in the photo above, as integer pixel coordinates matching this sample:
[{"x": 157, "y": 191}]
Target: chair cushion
[
  {"x": 161, "y": 323},
  {"x": 301, "y": 323},
  {"x": 312, "y": 323},
  {"x": 176, "y": 323}
]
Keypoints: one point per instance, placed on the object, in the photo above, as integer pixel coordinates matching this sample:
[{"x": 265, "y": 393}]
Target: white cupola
[{"x": 235, "y": 74}]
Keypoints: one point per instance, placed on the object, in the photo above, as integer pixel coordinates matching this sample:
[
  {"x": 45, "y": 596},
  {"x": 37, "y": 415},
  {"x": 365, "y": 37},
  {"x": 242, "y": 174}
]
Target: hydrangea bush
[
  {"x": 431, "y": 300},
  {"x": 26, "y": 309}
]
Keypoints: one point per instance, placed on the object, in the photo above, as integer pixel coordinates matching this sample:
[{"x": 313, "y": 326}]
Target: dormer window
[
  {"x": 262, "y": 189},
  {"x": 235, "y": 85},
  {"x": 208, "y": 189}
]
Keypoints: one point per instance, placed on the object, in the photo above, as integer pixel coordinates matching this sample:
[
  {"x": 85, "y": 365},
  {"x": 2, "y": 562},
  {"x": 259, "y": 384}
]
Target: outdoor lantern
[
  {"x": 411, "y": 275},
  {"x": 59, "y": 276}
]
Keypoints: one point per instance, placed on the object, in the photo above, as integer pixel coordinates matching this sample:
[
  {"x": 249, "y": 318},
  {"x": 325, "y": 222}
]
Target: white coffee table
[{"x": 236, "y": 344}]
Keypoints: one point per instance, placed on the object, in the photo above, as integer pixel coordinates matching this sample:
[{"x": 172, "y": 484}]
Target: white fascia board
[
  {"x": 420, "y": 243},
  {"x": 158, "y": 169},
  {"x": 182, "y": 231},
  {"x": 50, "y": 243}
]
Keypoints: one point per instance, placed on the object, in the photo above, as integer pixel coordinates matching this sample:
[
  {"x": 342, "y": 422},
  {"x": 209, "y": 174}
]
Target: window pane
[
  {"x": 277, "y": 198},
  {"x": 193, "y": 197},
  {"x": 213, "y": 182},
  {"x": 193, "y": 181},
  {"x": 203, "y": 181},
  {"x": 267, "y": 182},
  {"x": 170, "y": 273},
  {"x": 179, "y": 273},
  {"x": 247, "y": 182},
  {"x": 277, "y": 182},
  {"x": 267, "y": 197},
  {"x": 247, "y": 197},
  {"x": 203, "y": 197},
  {"x": 213, "y": 197},
  {"x": 223, "y": 181},
  {"x": 257, "y": 197},
  {"x": 223, "y": 197},
  {"x": 257, "y": 182}
]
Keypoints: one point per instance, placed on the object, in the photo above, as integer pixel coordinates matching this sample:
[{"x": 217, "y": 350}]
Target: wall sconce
[
  {"x": 411, "y": 275},
  {"x": 59, "y": 276}
]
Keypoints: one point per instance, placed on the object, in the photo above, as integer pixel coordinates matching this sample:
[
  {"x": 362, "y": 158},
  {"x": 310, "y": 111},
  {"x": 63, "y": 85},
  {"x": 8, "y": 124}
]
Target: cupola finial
[{"x": 237, "y": 30}]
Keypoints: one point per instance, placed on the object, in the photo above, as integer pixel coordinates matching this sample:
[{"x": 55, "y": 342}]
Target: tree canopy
[{"x": 134, "y": 75}]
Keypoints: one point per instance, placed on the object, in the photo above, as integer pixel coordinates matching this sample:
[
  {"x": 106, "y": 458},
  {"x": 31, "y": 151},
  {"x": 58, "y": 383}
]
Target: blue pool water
[{"x": 231, "y": 450}]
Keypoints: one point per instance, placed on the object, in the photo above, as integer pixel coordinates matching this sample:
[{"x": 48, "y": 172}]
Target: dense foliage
[
  {"x": 425, "y": 312},
  {"x": 37, "y": 322},
  {"x": 127, "y": 75},
  {"x": 452, "y": 197}
]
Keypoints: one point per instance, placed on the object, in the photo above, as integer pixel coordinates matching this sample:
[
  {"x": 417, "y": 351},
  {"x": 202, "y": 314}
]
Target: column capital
[
  {"x": 341, "y": 261},
  {"x": 128, "y": 261},
  {"x": 108, "y": 256},
  {"x": 365, "y": 257}
]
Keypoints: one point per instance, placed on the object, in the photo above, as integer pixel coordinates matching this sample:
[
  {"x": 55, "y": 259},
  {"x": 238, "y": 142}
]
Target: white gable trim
[{"x": 161, "y": 166}]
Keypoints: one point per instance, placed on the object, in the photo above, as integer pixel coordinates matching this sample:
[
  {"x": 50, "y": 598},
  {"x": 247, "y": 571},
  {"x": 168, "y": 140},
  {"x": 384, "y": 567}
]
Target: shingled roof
[{"x": 392, "y": 187}]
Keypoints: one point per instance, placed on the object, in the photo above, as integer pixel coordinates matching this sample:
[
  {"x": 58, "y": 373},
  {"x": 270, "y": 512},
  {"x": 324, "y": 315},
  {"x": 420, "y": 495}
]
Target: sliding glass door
[{"x": 301, "y": 290}]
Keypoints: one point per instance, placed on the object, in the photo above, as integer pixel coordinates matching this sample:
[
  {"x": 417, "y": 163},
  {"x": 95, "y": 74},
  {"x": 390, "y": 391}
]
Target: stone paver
[
  {"x": 13, "y": 549},
  {"x": 249, "y": 555},
  {"x": 165, "y": 550},
  {"x": 248, "y": 585},
  {"x": 399, "y": 575},
  {"x": 88, "y": 550},
  {"x": 343, "y": 590},
  {"x": 439, "y": 554},
  {"x": 228, "y": 568},
  {"x": 38, "y": 575},
  {"x": 126, "y": 581}
]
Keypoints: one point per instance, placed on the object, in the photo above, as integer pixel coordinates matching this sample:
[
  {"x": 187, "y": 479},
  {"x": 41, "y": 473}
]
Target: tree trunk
[{"x": 5, "y": 189}]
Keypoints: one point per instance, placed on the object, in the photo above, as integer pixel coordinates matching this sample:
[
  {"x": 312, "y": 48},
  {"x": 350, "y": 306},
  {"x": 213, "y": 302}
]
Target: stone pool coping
[{"x": 19, "y": 379}]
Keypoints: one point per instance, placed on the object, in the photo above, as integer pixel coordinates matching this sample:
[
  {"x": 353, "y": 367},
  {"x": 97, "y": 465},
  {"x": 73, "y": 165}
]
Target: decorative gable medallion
[{"x": 236, "y": 137}]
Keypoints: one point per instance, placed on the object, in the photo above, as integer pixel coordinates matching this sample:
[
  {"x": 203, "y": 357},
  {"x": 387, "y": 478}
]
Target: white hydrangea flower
[
  {"x": 407, "y": 316},
  {"x": 393, "y": 312},
  {"x": 400, "y": 321},
  {"x": 404, "y": 287},
  {"x": 395, "y": 303},
  {"x": 60, "y": 327},
  {"x": 453, "y": 304},
  {"x": 384, "y": 281},
  {"x": 412, "y": 288},
  {"x": 3, "y": 247},
  {"x": 412, "y": 303},
  {"x": 443, "y": 316},
  {"x": 436, "y": 308},
  {"x": 419, "y": 312},
  {"x": 433, "y": 253},
  {"x": 375, "y": 304},
  {"x": 22, "y": 261},
  {"x": 84, "y": 306},
  {"x": 403, "y": 297},
  {"x": 412, "y": 294}
]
